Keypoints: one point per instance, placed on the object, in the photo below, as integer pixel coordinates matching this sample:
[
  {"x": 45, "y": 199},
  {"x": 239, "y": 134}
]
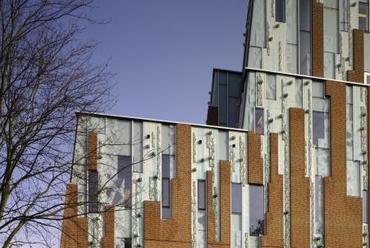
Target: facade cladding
[{"x": 297, "y": 178}]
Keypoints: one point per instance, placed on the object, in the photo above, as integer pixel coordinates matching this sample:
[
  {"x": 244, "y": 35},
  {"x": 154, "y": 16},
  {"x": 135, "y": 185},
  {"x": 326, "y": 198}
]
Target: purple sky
[{"x": 162, "y": 52}]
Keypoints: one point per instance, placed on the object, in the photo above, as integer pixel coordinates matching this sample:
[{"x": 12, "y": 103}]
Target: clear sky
[{"x": 162, "y": 52}]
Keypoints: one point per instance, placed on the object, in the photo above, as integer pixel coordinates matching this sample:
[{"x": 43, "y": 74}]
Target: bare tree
[{"x": 45, "y": 76}]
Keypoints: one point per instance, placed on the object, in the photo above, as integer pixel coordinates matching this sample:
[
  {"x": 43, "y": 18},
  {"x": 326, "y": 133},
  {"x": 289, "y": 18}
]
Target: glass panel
[
  {"x": 271, "y": 87},
  {"x": 93, "y": 191},
  {"x": 368, "y": 79},
  {"x": 166, "y": 166},
  {"x": 259, "y": 121},
  {"x": 201, "y": 195},
  {"x": 165, "y": 192},
  {"x": 124, "y": 180},
  {"x": 363, "y": 16},
  {"x": 318, "y": 127},
  {"x": 280, "y": 10},
  {"x": 364, "y": 208},
  {"x": 305, "y": 53},
  {"x": 305, "y": 15},
  {"x": 256, "y": 216},
  {"x": 236, "y": 198}
]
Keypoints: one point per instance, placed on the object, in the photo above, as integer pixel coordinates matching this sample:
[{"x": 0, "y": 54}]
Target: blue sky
[{"x": 162, "y": 52}]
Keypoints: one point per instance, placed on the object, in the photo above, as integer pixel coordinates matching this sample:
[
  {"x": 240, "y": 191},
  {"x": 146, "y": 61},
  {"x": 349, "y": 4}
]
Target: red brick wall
[
  {"x": 74, "y": 228},
  {"x": 343, "y": 214},
  {"x": 357, "y": 74},
  {"x": 224, "y": 175},
  {"x": 109, "y": 232},
  {"x": 176, "y": 231},
  {"x": 317, "y": 39},
  {"x": 274, "y": 217},
  {"x": 255, "y": 163},
  {"x": 299, "y": 184},
  {"x": 92, "y": 147}
]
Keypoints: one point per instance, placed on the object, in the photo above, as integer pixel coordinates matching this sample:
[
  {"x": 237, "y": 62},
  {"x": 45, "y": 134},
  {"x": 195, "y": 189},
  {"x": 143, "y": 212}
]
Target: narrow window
[
  {"x": 124, "y": 181},
  {"x": 364, "y": 208},
  {"x": 201, "y": 195},
  {"x": 236, "y": 198},
  {"x": 259, "y": 121},
  {"x": 127, "y": 242},
  {"x": 166, "y": 187},
  {"x": 256, "y": 215},
  {"x": 280, "y": 10},
  {"x": 93, "y": 191},
  {"x": 363, "y": 16}
]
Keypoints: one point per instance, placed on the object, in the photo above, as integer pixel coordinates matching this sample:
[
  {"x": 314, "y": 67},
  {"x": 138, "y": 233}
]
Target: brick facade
[
  {"x": 342, "y": 214},
  {"x": 317, "y": 39},
  {"x": 225, "y": 212},
  {"x": 273, "y": 236},
  {"x": 254, "y": 156},
  {"x": 109, "y": 232},
  {"x": 299, "y": 183},
  {"x": 74, "y": 227},
  {"x": 92, "y": 148},
  {"x": 176, "y": 231},
  {"x": 357, "y": 74}
]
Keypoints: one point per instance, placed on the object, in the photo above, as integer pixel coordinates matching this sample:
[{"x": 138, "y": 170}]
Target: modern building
[{"x": 283, "y": 161}]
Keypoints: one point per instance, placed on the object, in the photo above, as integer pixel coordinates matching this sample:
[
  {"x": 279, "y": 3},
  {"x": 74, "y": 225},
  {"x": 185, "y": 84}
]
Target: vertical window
[
  {"x": 367, "y": 78},
  {"x": 166, "y": 187},
  {"x": 364, "y": 208},
  {"x": 93, "y": 191},
  {"x": 256, "y": 215},
  {"x": 201, "y": 195},
  {"x": 127, "y": 243},
  {"x": 259, "y": 121},
  {"x": 363, "y": 16},
  {"x": 280, "y": 10},
  {"x": 305, "y": 37},
  {"x": 124, "y": 181},
  {"x": 236, "y": 198}
]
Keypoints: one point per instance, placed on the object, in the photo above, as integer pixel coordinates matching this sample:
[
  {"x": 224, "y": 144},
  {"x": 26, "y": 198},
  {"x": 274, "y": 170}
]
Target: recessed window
[
  {"x": 166, "y": 186},
  {"x": 124, "y": 180},
  {"x": 367, "y": 78},
  {"x": 280, "y": 10},
  {"x": 93, "y": 191},
  {"x": 236, "y": 198},
  {"x": 259, "y": 121},
  {"x": 363, "y": 16},
  {"x": 128, "y": 242},
  {"x": 256, "y": 215},
  {"x": 201, "y": 195}
]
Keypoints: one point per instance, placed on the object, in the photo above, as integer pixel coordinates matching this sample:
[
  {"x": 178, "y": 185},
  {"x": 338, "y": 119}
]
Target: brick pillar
[
  {"x": 342, "y": 213},
  {"x": 299, "y": 183},
  {"x": 254, "y": 157},
  {"x": 317, "y": 39},
  {"x": 273, "y": 236},
  {"x": 357, "y": 74}
]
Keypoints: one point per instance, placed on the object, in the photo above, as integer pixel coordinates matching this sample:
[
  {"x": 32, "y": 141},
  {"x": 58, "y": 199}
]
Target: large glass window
[
  {"x": 363, "y": 16},
  {"x": 166, "y": 186},
  {"x": 280, "y": 10}
]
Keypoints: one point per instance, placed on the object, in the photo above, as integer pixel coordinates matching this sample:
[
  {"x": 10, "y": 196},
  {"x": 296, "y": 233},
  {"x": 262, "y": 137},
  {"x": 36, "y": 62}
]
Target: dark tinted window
[
  {"x": 166, "y": 186},
  {"x": 363, "y": 16},
  {"x": 280, "y": 10},
  {"x": 93, "y": 191}
]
